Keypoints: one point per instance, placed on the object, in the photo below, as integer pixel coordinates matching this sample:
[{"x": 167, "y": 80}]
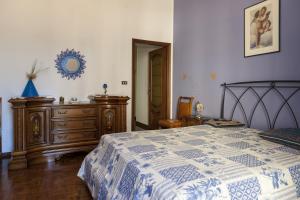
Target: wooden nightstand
[{"x": 192, "y": 121}]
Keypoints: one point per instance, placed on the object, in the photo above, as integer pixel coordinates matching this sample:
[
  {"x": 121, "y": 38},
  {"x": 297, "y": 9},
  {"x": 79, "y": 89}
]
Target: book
[{"x": 220, "y": 123}]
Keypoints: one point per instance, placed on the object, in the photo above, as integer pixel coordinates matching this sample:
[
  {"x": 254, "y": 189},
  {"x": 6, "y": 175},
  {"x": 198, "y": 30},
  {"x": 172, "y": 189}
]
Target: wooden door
[
  {"x": 157, "y": 86},
  {"x": 0, "y": 127}
]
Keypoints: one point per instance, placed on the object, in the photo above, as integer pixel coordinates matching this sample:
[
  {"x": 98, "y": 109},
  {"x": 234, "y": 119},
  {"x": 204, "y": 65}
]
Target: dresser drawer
[
  {"x": 60, "y": 138},
  {"x": 74, "y": 124},
  {"x": 73, "y": 112}
]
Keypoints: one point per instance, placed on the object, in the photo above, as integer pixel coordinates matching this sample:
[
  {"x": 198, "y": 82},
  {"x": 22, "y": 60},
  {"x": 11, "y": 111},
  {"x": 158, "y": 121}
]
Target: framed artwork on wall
[{"x": 262, "y": 28}]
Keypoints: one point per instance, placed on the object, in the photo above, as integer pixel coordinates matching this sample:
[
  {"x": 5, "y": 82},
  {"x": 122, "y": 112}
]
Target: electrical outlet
[{"x": 124, "y": 82}]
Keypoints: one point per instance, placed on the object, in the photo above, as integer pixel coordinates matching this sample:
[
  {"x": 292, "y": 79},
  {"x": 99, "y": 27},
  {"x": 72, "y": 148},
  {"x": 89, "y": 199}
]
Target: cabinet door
[
  {"x": 109, "y": 119},
  {"x": 37, "y": 126}
]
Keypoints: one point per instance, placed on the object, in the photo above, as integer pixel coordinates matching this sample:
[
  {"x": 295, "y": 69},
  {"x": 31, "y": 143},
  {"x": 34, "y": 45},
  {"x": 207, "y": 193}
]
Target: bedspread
[{"x": 199, "y": 162}]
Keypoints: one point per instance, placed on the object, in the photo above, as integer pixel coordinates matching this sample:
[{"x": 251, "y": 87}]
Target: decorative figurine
[
  {"x": 199, "y": 109},
  {"x": 105, "y": 88},
  {"x": 30, "y": 90}
]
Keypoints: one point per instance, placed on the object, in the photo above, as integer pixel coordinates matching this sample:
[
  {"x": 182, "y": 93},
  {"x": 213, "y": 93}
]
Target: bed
[{"x": 198, "y": 162}]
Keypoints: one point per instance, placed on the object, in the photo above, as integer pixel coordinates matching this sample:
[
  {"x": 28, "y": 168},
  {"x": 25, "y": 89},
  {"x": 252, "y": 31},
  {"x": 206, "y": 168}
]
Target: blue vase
[{"x": 30, "y": 90}]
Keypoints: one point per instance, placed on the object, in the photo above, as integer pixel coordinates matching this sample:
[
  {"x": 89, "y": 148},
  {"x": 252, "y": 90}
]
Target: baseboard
[
  {"x": 6, "y": 155},
  {"x": 141, "y": 125}
]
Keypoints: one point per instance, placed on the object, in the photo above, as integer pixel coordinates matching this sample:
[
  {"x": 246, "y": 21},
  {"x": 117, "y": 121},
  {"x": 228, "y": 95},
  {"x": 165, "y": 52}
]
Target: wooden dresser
[{"x": 44, "y": 130}]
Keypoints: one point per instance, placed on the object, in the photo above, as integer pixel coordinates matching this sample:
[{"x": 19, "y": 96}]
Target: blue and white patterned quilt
[{"x": 199, "y": 162}]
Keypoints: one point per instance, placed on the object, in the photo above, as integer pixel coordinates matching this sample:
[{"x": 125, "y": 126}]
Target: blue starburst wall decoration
[{"x": 70, "y": 64}]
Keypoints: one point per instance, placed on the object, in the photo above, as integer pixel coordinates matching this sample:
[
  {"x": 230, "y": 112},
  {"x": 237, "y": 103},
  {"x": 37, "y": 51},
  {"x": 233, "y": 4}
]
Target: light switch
[{"x": 124, "y": 82}]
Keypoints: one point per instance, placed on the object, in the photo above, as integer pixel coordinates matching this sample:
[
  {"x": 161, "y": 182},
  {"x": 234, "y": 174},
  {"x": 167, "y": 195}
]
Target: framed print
[{"x": 262, "y": 28}]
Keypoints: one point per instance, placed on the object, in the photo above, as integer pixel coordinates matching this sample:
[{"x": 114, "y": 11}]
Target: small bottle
[{"x": 61, "y": 100}]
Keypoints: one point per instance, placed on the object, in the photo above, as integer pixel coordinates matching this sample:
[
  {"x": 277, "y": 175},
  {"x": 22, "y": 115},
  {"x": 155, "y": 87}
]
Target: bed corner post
[{"x": 223, "y": 101}]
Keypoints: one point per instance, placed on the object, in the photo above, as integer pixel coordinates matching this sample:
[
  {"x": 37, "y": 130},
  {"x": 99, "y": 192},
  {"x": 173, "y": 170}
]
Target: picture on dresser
[{"x": 262, "y": 28}]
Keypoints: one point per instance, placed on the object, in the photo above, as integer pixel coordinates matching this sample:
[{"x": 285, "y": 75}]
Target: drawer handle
[
  {"x": 86, "y": 111},
  {"x": 36, "y": 128},
  {"x": 86, "y": 123},
  {"x": 62, "y": 124},
  {"x": 62, "y": 112},
  {"x": 62, "y": 137}
]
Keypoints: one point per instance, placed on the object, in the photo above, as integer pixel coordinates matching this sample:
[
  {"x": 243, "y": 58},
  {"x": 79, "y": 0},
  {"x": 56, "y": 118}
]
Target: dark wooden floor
[{"x": 57, "y": 180}]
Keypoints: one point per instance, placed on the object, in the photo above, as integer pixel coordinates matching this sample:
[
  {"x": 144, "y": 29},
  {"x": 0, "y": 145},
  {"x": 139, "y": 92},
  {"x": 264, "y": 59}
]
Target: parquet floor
[{"x": 57, "y": 180}]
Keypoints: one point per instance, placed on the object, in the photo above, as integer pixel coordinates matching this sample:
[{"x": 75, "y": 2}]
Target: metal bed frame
[{"x": 267, "y": 86}]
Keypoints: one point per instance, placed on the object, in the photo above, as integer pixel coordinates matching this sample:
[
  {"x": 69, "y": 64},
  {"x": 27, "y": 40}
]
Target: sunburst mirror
[{"x": 70, "y": 64}]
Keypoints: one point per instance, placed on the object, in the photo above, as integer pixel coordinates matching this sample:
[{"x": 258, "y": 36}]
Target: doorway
[
  {"x": 0, "y": 127},
  {"x": 150, "y": 83}
]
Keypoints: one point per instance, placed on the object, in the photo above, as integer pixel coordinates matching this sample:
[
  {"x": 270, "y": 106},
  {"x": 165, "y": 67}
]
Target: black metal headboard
[{"x": 285, "y": 93}]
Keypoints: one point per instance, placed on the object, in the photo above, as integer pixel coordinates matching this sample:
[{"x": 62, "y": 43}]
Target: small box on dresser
[{"x": 44, "y": 130}]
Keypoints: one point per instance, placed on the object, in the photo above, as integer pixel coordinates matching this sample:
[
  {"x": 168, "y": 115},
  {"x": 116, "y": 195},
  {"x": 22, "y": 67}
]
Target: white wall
[
  {"x": 142, "y": 82},
  {"x": 102, "y": 30}
]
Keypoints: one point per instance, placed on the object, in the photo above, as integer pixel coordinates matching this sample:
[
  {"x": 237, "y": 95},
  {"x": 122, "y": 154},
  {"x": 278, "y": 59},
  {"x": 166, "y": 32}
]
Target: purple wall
[{"x": 209, "y": 38}]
